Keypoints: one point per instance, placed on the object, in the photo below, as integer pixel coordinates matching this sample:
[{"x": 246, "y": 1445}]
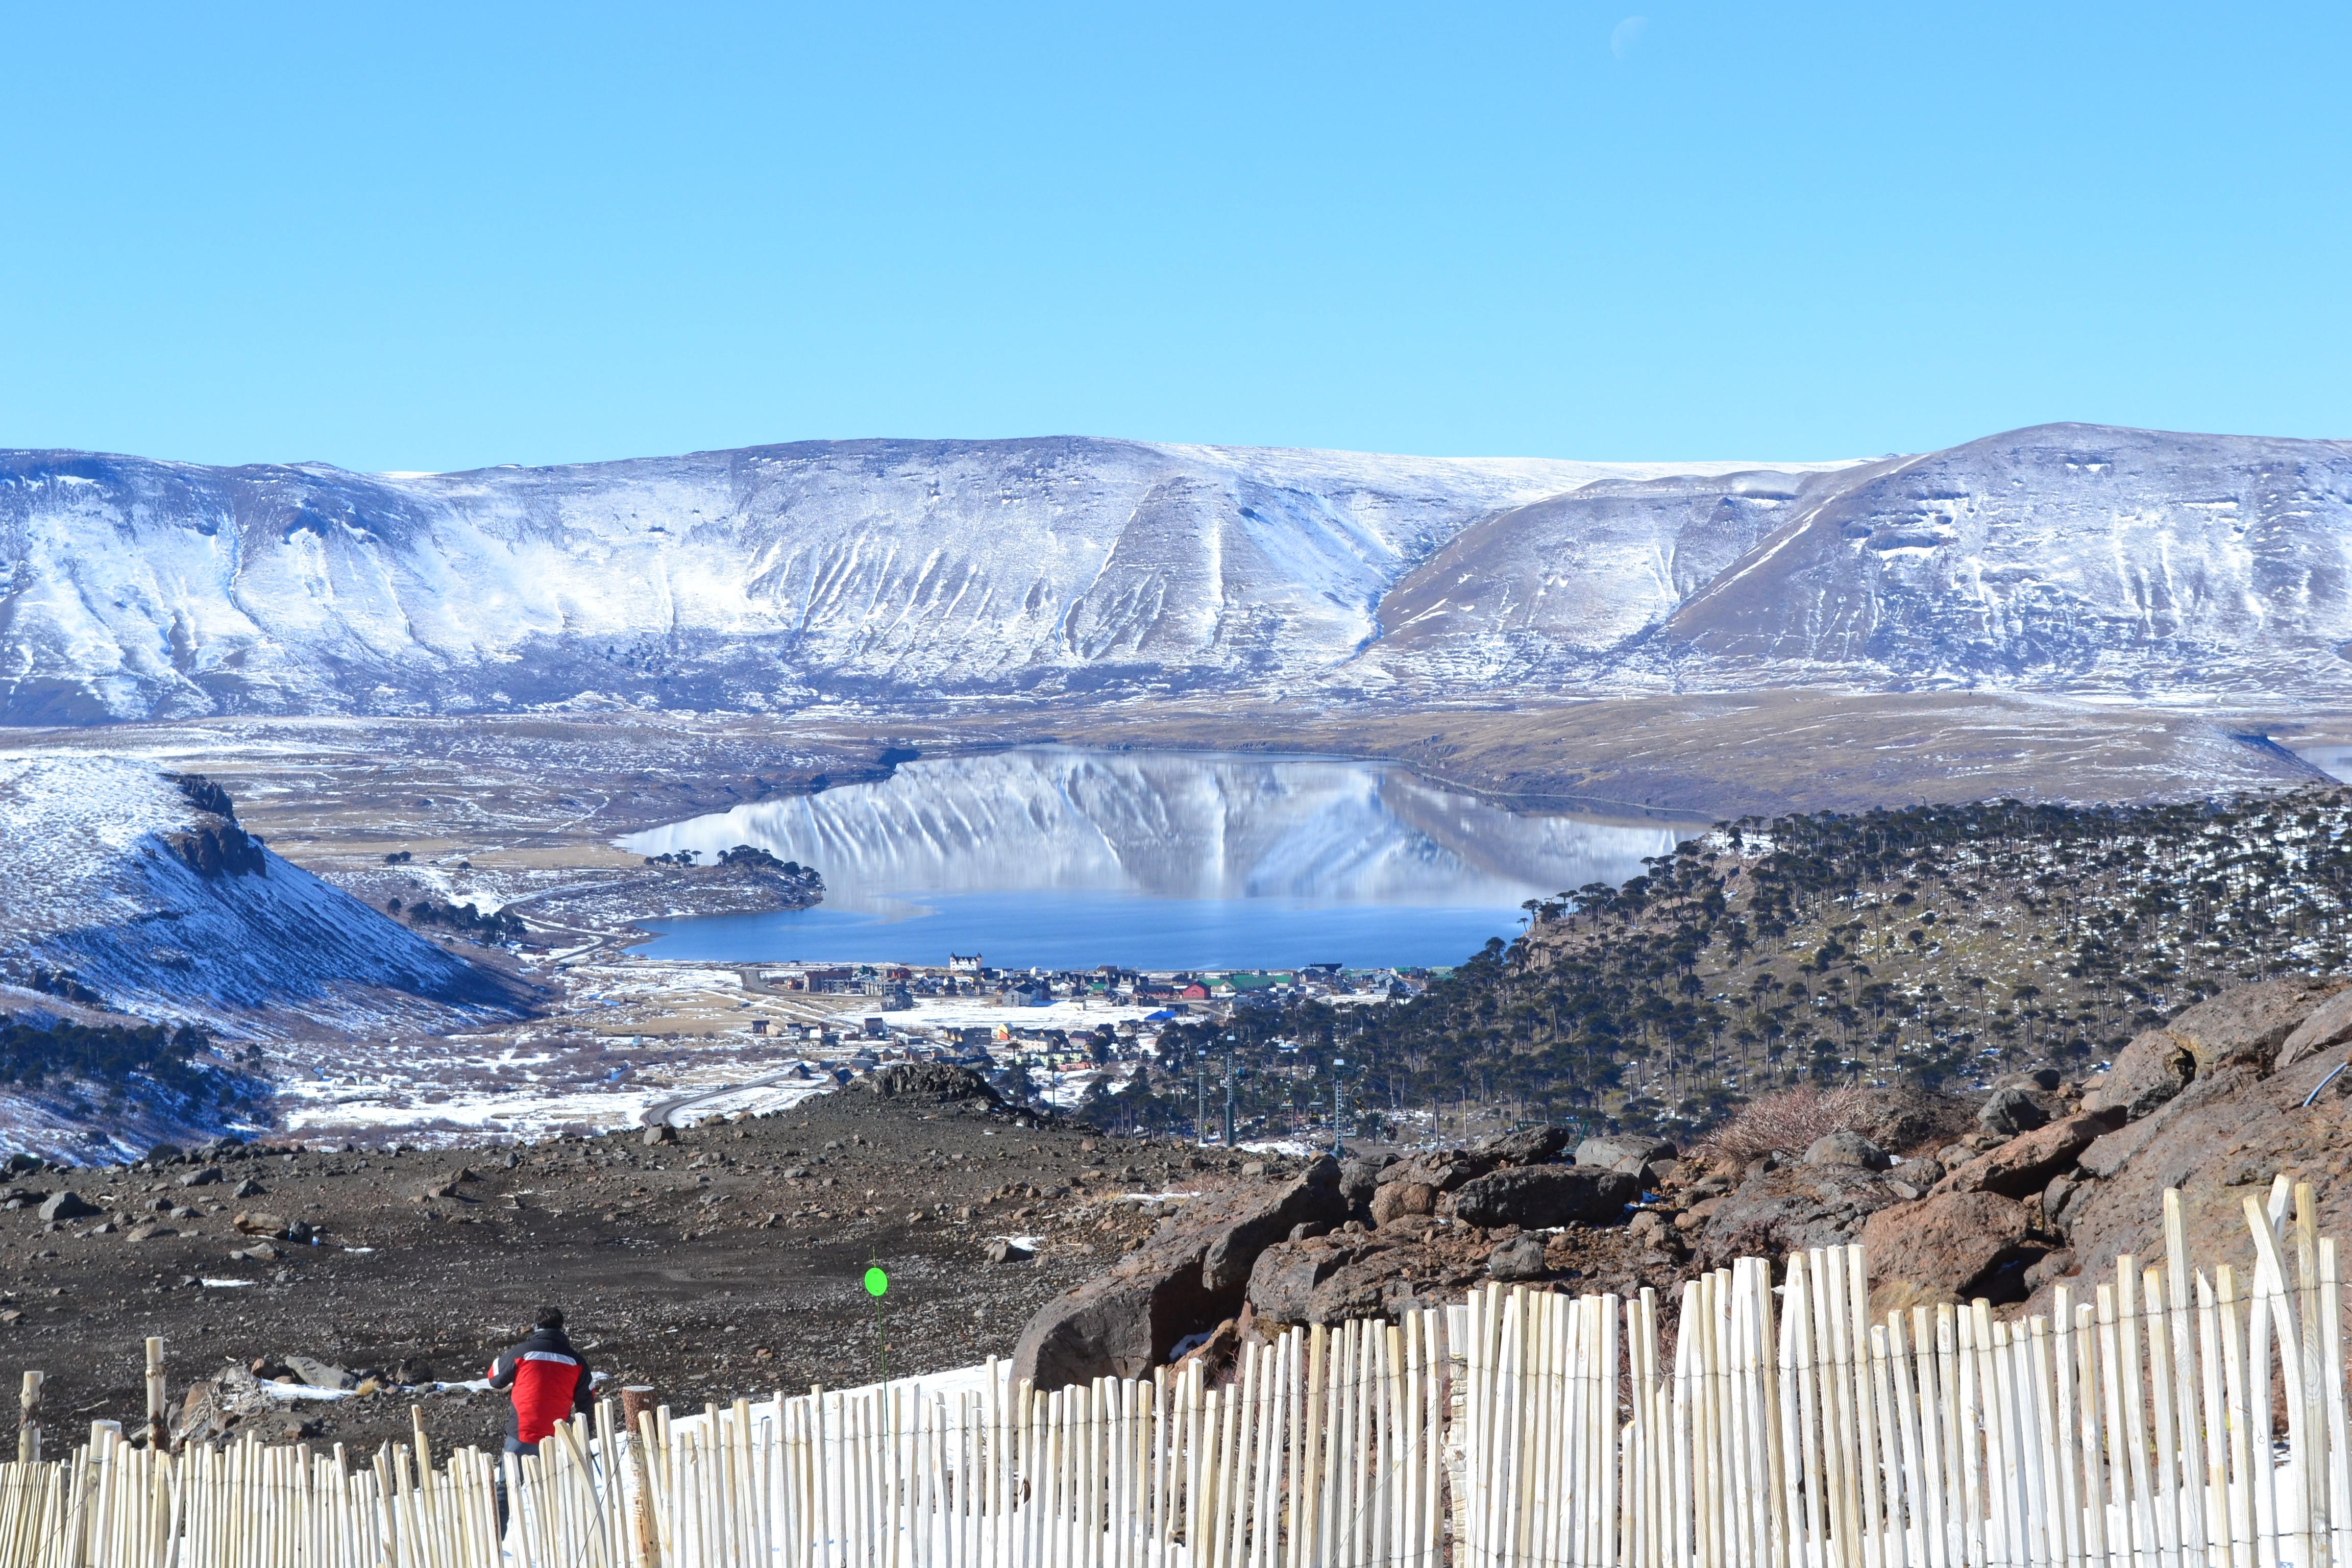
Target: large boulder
[
  {"x": 2146, "y": 1073},
  {"x": 2007, "y": 1113},
  {"x": 1187, "y": 1278},
  {"x": 1948, "y": 1246},
  {"x": 67, "y": 1205},
  {"x": 1789, "y": 1209},
  {"x": 2024, "y": 1165},
  {"x": 1399, "y": 1199},
  {"x": 1444, "y": 1169},
  {"x": 1527, "y": 1146},
  {"x": 1628, "y": 1154},
  {"x": 1359, "y": 1178},
  {"x": 1332, "y": 1278},
  {"x": 1846, "y": 1149},
  {"x": 1282, "y": 1286},
  {"x": 1544, "y": 1195}
]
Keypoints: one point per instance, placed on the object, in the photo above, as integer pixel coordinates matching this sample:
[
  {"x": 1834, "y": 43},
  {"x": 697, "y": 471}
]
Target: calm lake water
[{"x": 1066, "y": 858}]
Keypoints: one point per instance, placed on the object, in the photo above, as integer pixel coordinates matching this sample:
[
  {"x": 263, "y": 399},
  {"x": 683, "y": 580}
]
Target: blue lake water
[{"x": 1066, "y": 858}]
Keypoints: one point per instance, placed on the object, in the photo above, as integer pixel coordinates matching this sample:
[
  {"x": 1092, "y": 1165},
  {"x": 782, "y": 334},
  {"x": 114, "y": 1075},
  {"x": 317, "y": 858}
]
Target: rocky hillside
[
  {"x": 137, "y": 891},
  {"x": 2062, "y": 559},
  {"x": 1933, "y": 946},
  {"x": 725, "y": 1260}
]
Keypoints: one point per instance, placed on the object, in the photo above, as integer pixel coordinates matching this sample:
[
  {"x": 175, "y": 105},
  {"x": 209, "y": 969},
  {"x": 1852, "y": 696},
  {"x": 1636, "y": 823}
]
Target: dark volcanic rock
[
  {"x": 2025, "y": 1165},
  {"x": 67, "y": 1205},
  {"x": 2011, "y": 1111},
  {"x": 1521, "y": 1257},
  {"x": 1401, "y": 1200},
  {"x": 219, "y": 848},
  {"x": 1282, "y": 1286},
  {"x": 928, "y": 1080},
  {"x": 1846, "y": 1149},
  {"x": 1543, "y": 1196},
  {"x": 1527, "y": 1146},
  {"x": 2150, "y": 1070},
  {"x": 1359, "y": 1178},
  {"x": 1945, "y": 1245},
  {"x": 1444, "y": 1169},
  {"x": 1185, "y": 1279},
  {"x": 1775, "y": 1212}
]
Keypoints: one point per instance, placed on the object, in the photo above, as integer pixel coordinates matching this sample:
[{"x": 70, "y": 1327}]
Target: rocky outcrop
[
  {"x": 941, "y": 1082},
  {"x": 2024, "y": 1165},
  {"x": 1403, "y": 1200},
  {"x": 1541, "y": 1196},
  {"x": 2150, "y": 1070},
  {"x": 1948, "y": 1246},
  {"x": 1791, "y": 1208},
  {"x": 2330, "y": 1024},
  {"x": 2248, "y": 1026},
  {"x": 219, "y": 848},
  {"x": 1189, "y": 1276}
]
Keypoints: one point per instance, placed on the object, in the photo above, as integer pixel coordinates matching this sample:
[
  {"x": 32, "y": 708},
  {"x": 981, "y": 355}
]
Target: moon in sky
[{"x": 1626, "y": 35}]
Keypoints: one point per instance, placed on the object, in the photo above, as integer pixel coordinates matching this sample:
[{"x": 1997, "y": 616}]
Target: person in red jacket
[{"x": 549, "y": 1380}]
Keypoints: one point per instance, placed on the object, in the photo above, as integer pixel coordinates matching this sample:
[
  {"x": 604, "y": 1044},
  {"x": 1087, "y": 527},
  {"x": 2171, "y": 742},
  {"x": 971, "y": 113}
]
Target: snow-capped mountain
[
  {"x": 2065, "y": 558},
  {"x": 741, "y": 580},
  {"x": 136, "y": 891},
  {"x": 2070, "y": 559}
]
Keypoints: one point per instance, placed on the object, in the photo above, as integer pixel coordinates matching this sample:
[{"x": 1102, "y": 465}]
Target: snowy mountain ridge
[{"x": 2071, "y": 559}]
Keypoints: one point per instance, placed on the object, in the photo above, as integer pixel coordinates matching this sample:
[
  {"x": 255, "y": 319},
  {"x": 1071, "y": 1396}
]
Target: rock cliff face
[{"x": 2070, "y": 559}]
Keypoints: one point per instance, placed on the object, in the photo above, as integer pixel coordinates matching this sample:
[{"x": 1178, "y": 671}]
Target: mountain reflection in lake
[{"x": 1065, "y": 858}]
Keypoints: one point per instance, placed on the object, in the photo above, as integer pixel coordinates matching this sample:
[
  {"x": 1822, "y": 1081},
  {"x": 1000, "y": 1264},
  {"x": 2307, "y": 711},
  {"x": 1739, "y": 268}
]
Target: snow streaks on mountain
[
  {"x": 2070, "y": 559},
  {"x": 132, "y": 891},
  {"x": 743, "y": 580}
]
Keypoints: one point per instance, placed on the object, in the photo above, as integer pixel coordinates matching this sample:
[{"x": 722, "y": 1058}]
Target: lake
[{"x": 1065, "y": 858}]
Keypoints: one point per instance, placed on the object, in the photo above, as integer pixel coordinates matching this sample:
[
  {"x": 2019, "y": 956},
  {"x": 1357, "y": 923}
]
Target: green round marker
[{"x": 876, "y": 1282}]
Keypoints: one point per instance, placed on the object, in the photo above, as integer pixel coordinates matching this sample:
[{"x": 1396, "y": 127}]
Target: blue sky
[{"x": 410, "y": 238}]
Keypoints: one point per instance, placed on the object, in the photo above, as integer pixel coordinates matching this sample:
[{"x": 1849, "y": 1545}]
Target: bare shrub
[{"x": 1787, "y": 1122}]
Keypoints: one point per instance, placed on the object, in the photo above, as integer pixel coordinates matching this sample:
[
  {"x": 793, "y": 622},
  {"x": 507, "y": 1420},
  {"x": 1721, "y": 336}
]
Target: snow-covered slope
[
  {"x": 2073, "y": 559},
  {"x": 741, "y": 580},
  {"x": 2066, "y": 558},
  {"x": 165, "y": 909}
]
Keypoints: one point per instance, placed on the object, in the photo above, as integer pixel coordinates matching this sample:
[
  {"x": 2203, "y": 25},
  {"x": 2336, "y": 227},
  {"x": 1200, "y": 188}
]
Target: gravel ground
[{"x": 728, "y": 1263}]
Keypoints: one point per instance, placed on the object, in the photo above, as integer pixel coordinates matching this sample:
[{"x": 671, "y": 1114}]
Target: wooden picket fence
[{"x": 2132, "y": 1427}]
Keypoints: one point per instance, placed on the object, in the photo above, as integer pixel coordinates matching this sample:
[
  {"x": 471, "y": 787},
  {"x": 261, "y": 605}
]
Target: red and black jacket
[{"x": 550, "y": 1380}]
